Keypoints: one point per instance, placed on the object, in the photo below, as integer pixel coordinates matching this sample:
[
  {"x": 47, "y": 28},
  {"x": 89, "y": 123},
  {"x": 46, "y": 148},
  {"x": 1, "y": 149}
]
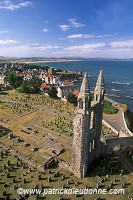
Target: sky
[{"x": 66, "y": 28}]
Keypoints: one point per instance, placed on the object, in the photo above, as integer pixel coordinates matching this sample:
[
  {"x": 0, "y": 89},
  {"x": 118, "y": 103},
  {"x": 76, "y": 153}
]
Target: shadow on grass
[
  {"x": 110, "y": 165},
  {"x": 4, "y": 131}
]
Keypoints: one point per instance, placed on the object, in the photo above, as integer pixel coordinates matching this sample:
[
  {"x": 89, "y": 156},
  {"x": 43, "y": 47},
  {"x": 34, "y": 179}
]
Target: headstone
[
  {"x": 17, "y": 164},
  {"x": 23, "y": 166},
  {"x": 8, "y": 175},
  {"x": 8, "y": 163},
  {"x": 4, "y": 193},
  {"x": 39, "y": 177},
  {"x": 49, "y": 179},
  {"x": 121, "y": 172},
  {"x": 132, "y": 158},
  {"x": 68, "y": 181},
  {"x": 18, "y": 139},
  {"x": 29, "y": 169},
  {"x": 1, "y": 154},
  {"x": 62, "y": 177},
  {"x": 14, "y": 186},
  {"x": 13, "y": 180}
]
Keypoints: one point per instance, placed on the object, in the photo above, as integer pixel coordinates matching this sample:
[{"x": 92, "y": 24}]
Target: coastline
[{"x": 47, "y": 61}]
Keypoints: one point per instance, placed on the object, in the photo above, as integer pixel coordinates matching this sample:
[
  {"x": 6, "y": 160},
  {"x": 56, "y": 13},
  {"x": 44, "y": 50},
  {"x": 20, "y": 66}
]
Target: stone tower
[
  {"x": 99, "y": 89},
  {"x": 81, "y": 131},
  {"x": 87, "y": 127},
  {"x": 99, "y": 99}
]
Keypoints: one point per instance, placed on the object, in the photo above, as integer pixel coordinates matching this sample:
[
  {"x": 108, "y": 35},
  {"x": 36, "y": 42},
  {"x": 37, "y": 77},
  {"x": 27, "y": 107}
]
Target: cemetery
[
  {"x": 15, "y": 173},
  {"x": 35, "y": 131}
]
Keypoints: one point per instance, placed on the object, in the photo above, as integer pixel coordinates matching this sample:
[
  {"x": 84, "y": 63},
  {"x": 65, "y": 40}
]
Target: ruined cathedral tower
[
  {"x": 87, "y": 127},
  {"x": 81, "y": 124}
]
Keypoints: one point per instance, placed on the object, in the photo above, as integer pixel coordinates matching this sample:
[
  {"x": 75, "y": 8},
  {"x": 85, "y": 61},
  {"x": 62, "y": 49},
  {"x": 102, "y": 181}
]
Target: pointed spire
[
  {"x": 85, "y": 86},
  {"x": 100, "y": 80}
]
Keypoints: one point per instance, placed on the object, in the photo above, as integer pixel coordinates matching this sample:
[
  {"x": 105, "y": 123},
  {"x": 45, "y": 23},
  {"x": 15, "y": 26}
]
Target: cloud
[
  {"x": 122, "y": 43},
  {"x": 9, "y": 5},
  {"x": 3, "y": 31},
  {"x": 53, "y": 50},
  {"x": 29, "y": 50},
  {"x": 74, "y": 23},
  {"x": 77, "y": 36},
  {"x": 84, "y": 47},
  {"x": 47, "y": 47},
  {"x": 8, "y": 42},
  {"x": 64, "y": 27},
  {"x": 45, "y": 30},
  {"x": 33, "y": 44}
]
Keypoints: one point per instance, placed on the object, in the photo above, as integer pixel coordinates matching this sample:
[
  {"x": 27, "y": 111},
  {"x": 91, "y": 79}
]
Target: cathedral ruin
[{"x": 87, "y": 142}]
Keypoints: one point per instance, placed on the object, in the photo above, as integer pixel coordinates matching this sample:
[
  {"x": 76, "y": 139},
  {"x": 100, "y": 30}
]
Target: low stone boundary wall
[
  {"x": 126, "y": 124},
  {"x": 124, "y": 142}
]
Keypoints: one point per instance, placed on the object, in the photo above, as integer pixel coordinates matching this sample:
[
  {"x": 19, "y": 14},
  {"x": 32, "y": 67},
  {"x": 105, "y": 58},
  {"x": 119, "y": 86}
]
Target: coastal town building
[
  {"x": 63, "y": 91},
  {"x": 51, "y": 71},
  {"x": 49, "y": 79},
  {"x": 44, "y": 87},
  {"x": 2, "y": 82}
]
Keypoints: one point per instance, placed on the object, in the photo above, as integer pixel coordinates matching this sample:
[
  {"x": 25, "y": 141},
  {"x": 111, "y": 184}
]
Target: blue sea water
[{"x": 118, "y": 75}]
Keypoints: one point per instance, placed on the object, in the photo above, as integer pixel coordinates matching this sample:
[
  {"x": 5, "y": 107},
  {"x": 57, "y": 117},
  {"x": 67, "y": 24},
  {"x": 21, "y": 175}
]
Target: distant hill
[{"x": 6, "y": 58}]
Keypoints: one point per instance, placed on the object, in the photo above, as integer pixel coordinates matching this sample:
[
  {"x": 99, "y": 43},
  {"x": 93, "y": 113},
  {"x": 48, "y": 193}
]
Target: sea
[{"x": 118, "y": 75}]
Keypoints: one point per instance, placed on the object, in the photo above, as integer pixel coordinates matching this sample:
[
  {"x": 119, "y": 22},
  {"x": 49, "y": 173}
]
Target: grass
[
  {"x": 32, "y": 179},
  {"x": 47, "y": 113},
  {"x": 106, "y": 132},
  {"x": 19, "y": 123}
]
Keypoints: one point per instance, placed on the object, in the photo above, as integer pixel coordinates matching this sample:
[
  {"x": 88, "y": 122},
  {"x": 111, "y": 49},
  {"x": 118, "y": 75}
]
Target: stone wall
[
  {"x": 126, "y": 124},
  {"x": 107, "y": 145}
]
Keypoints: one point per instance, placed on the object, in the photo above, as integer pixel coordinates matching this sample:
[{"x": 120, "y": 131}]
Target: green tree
[
  {"x": 24, "y": 87},
  {"x": 30, "y": 86},
  {"x": 13, "y": 80},
  {"x": 71, "y": 98},
  {"x": 109, "y": 108},
  {"x": 53, "y": 92}
]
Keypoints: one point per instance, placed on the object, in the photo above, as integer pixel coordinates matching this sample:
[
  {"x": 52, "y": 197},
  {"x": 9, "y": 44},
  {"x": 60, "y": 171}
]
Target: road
[{"x": 117, "y": 123}]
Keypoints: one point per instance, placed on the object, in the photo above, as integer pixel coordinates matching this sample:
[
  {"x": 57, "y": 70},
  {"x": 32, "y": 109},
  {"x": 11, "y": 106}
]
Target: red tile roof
[
  {"x": 68, "y": 84},
  {"x": 76, "y": 92},
  {"x": 22, "y": 73},
  {"x": 44, "y": 86}
]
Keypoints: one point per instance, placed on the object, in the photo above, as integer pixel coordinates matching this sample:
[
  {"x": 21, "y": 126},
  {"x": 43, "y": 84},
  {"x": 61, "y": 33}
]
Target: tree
[
  {"x": 109, "y": 108},
  {"x": 52, "y": 92},
  {"x": 71, "y": 98},
  {"x": 13, "y": 80},
  {"x": 24, "y": 87},
  {"x": 30, "y": 86}
]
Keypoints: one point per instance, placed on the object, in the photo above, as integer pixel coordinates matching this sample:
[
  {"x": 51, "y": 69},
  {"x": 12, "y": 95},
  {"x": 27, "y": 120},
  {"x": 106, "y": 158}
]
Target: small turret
[
  {"x": 99, "y": 89},
  {"x": 100, "y": 81},
  {"x": 85, "y": 90},
  {"x": 84, "y": 96}
]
